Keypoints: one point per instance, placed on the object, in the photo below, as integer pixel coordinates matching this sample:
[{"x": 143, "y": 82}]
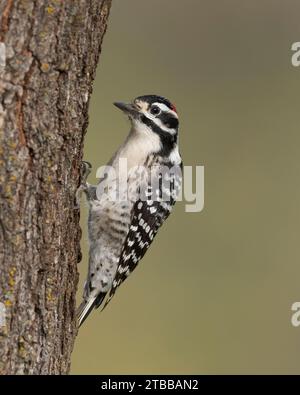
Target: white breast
[{"x": 140, "y": 143}]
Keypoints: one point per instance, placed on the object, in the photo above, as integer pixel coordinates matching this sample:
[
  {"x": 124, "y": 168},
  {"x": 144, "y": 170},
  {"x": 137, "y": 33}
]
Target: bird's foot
[{"x": 85, "y": 170}]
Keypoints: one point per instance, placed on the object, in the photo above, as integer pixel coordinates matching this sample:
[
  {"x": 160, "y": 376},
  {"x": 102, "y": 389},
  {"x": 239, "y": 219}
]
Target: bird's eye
[{"x": 155, "y": 110}]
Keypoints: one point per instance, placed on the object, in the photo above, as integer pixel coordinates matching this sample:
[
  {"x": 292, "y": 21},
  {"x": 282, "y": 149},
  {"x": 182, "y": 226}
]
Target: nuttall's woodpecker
[{"x": 121, "y": 229}]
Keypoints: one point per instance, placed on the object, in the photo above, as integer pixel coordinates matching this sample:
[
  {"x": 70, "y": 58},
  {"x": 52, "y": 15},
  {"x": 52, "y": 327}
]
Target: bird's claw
[{"x": 85, "y": 170}]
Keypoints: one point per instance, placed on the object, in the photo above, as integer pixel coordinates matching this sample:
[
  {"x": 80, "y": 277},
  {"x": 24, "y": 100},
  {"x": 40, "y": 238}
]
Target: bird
[{"x": 127, "y": 208}]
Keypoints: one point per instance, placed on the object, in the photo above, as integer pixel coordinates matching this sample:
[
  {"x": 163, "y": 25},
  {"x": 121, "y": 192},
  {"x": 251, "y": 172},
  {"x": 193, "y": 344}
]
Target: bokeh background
[{"x": 214, "y": 293}]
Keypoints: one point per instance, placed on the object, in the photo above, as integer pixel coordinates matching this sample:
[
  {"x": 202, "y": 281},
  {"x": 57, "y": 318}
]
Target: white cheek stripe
[
  {"x": 175, "y": 156},
  {"x": 165, "y": 108}
]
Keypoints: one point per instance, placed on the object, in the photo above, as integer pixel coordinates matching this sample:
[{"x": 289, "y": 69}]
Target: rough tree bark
[{"x": 48, "y": 56}]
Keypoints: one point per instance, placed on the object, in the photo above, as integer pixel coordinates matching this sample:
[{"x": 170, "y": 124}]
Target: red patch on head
[{"x": 173, "y": 108}]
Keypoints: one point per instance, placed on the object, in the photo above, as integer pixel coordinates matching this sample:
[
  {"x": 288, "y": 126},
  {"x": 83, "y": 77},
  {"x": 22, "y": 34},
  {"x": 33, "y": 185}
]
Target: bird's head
[{"x": 153, "y": 114}]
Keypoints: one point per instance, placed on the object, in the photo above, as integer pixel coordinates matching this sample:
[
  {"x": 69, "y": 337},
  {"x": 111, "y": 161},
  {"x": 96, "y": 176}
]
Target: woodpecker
[{"x": 120, "y": 230}]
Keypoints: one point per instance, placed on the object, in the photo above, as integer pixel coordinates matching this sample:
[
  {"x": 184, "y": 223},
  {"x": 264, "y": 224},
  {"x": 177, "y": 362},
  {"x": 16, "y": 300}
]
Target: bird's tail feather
[
  {"x": 87, "y": 306},
  {"x": 84, "y": 310}
]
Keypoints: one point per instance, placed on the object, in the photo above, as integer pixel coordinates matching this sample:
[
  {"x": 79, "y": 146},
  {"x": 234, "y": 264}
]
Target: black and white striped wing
[{"x": 147, "y": 217}]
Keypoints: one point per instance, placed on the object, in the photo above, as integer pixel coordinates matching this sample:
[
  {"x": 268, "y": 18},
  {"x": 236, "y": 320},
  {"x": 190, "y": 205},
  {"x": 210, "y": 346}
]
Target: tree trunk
[{"x": 48, "y": 57}]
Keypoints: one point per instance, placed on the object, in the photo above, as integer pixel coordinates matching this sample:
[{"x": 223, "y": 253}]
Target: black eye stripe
[
  {"x": 168, "y": 140},
  {"x": 168, "y": 120}
]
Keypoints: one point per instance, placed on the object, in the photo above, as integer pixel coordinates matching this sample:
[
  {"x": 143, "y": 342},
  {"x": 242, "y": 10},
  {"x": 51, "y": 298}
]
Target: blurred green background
[{"x": 214, "y": 293}]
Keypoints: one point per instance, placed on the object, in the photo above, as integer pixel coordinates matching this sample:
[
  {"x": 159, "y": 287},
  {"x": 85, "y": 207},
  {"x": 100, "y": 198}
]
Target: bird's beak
[{"x": 128, "y": 109}]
